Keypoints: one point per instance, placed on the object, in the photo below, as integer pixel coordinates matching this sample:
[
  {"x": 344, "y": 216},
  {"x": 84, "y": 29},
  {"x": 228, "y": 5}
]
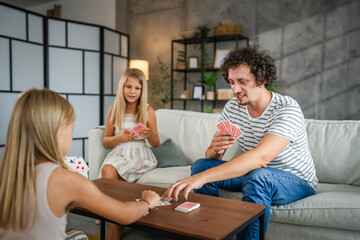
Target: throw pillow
[{"x": 168, "y": 155}]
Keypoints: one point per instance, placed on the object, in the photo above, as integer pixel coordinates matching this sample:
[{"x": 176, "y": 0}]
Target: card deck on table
[
  {"x": 226, "y": 126},
  {"x": 187, "y": 206}
]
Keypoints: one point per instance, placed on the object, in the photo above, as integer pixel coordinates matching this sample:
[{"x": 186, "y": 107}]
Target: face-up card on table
[
  {"x": 187, "y": 207},
  {"x": 160, "y": 203}
]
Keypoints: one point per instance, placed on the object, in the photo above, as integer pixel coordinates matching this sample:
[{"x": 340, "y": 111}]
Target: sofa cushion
[
  {"x": 168, "y": 155},
  {"x": 164, "y": 177},
  {"x": 284, "y": 231},
  {"x": 333, "y": 206},
  {"x": 190, "y": 131},
  {"x": 334, "y": 146}
]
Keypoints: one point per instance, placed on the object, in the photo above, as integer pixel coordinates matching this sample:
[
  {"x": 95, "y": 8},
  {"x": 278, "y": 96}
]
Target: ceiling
[{"x": 27, "y": 3}]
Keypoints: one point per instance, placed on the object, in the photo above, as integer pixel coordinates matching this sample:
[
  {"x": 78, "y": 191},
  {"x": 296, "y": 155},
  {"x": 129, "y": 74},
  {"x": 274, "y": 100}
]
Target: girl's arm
[
  {"x": 151, "y": 133},
  {"x": 76, "y": 188},
  {"x": 110, "y": 139}
]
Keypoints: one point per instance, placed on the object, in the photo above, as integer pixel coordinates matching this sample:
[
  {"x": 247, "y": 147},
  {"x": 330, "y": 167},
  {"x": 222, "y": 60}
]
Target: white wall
[{"x": 90, "y": 11}]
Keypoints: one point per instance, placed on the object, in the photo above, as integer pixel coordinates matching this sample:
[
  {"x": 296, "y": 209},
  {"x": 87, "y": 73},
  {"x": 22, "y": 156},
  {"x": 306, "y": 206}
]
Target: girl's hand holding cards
[
  {"x": 145, "y": 133},
  {"x": 125, "y": 137}
]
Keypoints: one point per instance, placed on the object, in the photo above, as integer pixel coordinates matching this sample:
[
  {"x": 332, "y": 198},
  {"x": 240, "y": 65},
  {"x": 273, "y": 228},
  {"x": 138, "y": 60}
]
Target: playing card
[
  {"x": 127, "y": 132},
  {"x": 237, "y": 133},
  {"x": 161, "y": 203},
  {"x": 187, "y": 206},
  {"x": 138, "y": 128},
  {"x": 233, "y": 129},
  {"x": 134, "y": 134},
  {"x": 77, "y": 165},
  {"x": 227, "y": 125},
  {"x": 70, "y": 162},
  {"x": 221, "y": 127}
]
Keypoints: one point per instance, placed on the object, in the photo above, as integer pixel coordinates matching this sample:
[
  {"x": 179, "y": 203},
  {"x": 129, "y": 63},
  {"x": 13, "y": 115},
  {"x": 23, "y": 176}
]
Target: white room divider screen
[{"x": 82, "y": 62}]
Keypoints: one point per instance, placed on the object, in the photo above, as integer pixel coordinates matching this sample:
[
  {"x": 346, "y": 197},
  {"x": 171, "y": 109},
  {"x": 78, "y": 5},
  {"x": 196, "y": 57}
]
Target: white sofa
[{"x": 332, "y": 213}]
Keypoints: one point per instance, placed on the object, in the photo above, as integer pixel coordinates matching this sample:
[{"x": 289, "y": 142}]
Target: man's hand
[
  {"x": 222, "y": 141},
  {"x": 186, "y": 184}
]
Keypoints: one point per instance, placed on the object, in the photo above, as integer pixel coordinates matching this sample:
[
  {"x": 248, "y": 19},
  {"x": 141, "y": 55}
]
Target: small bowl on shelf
[{"x": 189, "y": 34}]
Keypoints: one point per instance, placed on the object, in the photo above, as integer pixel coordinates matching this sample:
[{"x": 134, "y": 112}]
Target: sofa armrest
[{"x": 97, "y": 152}]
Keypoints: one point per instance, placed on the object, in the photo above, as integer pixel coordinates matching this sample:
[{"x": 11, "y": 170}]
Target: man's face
[{"x": 243, "y": 84}]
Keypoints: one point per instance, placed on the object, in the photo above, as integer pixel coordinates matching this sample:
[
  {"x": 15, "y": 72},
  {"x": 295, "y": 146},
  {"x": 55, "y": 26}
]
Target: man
[{"x": 276, "y": 166}]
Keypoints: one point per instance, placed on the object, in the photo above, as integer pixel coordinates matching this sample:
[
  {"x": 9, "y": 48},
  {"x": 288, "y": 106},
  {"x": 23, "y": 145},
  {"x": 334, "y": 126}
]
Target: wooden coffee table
[{"x": 217, "y": 218}]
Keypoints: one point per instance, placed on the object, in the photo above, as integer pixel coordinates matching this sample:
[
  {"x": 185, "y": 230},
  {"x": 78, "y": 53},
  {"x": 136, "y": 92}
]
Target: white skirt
[{"x": 131, "y": 160}]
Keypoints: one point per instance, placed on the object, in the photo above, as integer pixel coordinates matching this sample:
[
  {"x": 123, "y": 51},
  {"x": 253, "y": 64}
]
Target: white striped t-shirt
[{"x": 283, "y": 117}]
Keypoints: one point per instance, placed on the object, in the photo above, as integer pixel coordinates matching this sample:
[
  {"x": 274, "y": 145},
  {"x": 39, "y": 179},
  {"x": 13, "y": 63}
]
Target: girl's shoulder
[
  {"x": 110, "y": 109},
  {"x": 150, "y": 108}
]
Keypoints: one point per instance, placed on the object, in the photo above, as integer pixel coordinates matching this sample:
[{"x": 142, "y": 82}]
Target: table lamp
[{"x": 143, "y": 65}]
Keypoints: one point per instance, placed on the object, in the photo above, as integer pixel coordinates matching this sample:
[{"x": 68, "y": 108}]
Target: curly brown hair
[{"x": 260, "y": 64}]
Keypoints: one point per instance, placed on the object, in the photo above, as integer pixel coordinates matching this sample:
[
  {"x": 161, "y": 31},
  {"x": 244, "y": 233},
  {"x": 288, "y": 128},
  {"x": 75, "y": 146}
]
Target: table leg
[
  {"x": 262, "y": 226},
  {"x": 102, "y": 229}
]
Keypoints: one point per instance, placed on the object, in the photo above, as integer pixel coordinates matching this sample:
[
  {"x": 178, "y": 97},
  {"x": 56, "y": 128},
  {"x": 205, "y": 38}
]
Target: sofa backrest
[
  {"x": 335, "y": 148},
  {"x": 190, "y": 131},
  {"x": 334, "y": 145}
]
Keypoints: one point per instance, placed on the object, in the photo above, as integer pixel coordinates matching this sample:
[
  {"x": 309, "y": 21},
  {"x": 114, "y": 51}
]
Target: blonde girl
[
  {"x": 36, "y": 189},
  {"x": 131, "y": 157}
]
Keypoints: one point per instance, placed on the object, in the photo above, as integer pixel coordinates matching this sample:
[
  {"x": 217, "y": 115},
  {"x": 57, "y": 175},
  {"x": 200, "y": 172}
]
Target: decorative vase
[{"x": 210, "y": 95}]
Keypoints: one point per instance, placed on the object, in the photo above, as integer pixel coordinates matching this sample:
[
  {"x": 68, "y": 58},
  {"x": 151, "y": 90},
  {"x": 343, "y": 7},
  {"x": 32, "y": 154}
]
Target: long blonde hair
[
  {"x": 33, "y": 134},
  {"x": 118, "y": 110}
]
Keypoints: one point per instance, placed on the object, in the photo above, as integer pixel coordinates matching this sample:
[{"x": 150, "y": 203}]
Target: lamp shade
[{"x": 143, "y": 65}]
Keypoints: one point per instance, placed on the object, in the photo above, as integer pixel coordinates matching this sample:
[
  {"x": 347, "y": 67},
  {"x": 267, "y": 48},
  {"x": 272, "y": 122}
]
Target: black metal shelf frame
[
  {"x": 185, "y": 42},
  {"x": 46, "y": 46}
]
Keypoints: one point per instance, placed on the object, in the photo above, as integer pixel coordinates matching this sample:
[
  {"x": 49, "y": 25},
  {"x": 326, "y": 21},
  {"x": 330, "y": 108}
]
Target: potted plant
[
  {"x": 161, "y": 86},
  {"x": 180, "y": 64},
  {"x": 210, "y": 82},
  {"x": 203, "y": 38},
  {"x": 273, "y": 87},
  {"x": 208, "y": 109}
]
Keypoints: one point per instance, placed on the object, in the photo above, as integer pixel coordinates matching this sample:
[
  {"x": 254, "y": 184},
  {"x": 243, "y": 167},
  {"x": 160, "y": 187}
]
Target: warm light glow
[{"x": 143, "y": 65}]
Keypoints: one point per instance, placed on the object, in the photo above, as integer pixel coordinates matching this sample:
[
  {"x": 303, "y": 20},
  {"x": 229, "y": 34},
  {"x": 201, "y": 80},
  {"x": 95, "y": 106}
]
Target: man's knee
[
  {"x": 257, "y": 186},
  {"x": 199, "y": 166},
  {"x": 259, "y": 176}
]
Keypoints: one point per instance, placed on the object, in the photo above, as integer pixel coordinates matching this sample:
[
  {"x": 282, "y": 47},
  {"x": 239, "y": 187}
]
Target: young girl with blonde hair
[
  {"x": 36, "y": 189},
  {"x": 130, "y": 158}
]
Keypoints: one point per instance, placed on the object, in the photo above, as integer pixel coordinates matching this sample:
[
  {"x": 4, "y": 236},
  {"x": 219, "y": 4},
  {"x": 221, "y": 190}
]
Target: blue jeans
[{"x": 267, "y": 186}]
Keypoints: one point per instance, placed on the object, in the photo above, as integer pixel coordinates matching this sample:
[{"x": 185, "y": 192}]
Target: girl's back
[{"x": 47, "y": 225}]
